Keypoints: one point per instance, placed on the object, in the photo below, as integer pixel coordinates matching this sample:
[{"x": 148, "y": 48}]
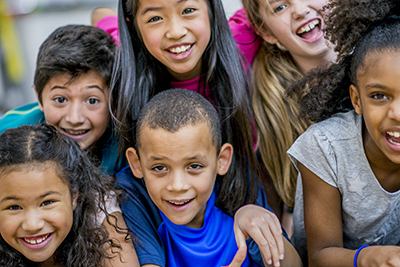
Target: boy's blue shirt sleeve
[
  {"x": 143, "y": 217},
  {"x": 29, "y": 114}
]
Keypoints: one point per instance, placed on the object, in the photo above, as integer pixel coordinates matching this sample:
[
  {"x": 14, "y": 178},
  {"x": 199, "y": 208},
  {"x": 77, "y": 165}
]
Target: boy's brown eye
[
  {"x": 93, "y": 101},
  {"x": 60, "y": 100}
]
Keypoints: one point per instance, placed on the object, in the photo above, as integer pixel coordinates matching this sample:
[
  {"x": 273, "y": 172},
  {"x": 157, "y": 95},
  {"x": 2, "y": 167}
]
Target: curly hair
[
  {"x": 365, "y": 26},
  {"x": 277, "y": 121},
  {"x": 40, "y": 146}
]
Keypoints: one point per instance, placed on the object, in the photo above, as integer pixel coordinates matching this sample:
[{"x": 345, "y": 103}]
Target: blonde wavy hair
[{"x": 277, "y": 117}]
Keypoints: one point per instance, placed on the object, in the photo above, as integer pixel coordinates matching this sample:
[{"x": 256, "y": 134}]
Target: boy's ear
[
  {"x": 267, "y": 36},
  {"x": 355, "y": 99},
  {"x": 134, "y": 162},
  {"x": 224, "y": 158},
  {"x": 37, "y": 97}
]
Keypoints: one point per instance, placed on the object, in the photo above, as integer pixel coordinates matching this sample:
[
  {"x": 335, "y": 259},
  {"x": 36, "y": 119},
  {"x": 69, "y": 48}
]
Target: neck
[{"x": 306, "y": 64}]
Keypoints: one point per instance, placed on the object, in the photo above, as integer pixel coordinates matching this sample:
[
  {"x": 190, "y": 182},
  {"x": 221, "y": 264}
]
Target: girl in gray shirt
[{"x": 349, "y": 161}]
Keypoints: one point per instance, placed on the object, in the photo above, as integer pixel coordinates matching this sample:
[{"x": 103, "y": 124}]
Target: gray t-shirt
[{"x": 333, "y": 150}]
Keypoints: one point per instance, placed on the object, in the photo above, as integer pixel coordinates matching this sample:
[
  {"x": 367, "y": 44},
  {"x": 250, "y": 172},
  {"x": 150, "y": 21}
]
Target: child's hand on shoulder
[{"x": 264, "y": 228}]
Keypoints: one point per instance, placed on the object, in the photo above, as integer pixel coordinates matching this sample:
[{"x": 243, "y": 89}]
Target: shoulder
[
  {"x": 24, "y": 115},
  {"x": 245, "y": 37}
]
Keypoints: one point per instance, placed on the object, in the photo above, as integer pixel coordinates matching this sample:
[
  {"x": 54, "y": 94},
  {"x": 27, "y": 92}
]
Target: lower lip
[
  {"x": 315, "y": 38},
  {"x": 179, "y": 208},
  {"x": 76, "y": 137},
  {"x": 183, "y": 55},
  {"x": 37, "y": 246},
  {"x": 391, "y": 145}
]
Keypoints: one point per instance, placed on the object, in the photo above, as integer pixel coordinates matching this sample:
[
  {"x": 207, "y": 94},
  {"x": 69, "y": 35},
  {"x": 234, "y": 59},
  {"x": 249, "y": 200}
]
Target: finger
[
  {"x": 276, "y": 231},
  {"x": 239, "y": 258},
  {"x": 240, "y": 237},
  {"x": 270, "y": 249}
]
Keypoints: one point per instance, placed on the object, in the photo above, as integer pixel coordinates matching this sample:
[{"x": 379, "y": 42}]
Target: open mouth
[
  {"x": 393, "y": 137},
  {"x": 310, "y": 30},
  {"x": 179, "y": 203},
  {"x": 180, "y": 49},
  {"x": 77, "y": 132},
  {"x": 36, "y": 240}
]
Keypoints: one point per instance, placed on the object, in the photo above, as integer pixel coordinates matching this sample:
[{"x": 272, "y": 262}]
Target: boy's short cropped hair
[
  {"x": 175, "y": 108},
  {"x": 74, "y": 50}
]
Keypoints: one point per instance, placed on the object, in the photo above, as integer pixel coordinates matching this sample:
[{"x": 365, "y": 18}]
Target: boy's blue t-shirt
[
  {"x": 31, "y": 114},
  {"x": 213, "y": 244},
  {"x": 144, "y": 219}
]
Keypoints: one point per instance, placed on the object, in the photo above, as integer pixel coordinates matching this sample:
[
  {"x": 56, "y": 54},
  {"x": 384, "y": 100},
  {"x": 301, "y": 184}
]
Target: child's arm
[
  {"x": 100, "y": 13},
  {"x": 126, "y": 255},
  {"x": 323, "y": 221},
  {"x": 265, "y": 229}
]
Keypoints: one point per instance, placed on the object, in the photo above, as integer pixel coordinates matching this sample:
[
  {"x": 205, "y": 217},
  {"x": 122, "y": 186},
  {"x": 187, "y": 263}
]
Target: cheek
[{"x": 52, "y": 116}]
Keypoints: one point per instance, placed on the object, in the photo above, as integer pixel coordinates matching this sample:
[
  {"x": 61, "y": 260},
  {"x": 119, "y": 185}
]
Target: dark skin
[{"x": 377, "y": 98}]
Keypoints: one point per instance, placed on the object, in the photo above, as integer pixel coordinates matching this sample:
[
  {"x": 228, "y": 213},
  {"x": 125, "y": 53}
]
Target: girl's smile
[
  {"x": 176, "y": 33},
  {"x": 297, "y": 25},
  {"x": 36, "y": 210},
  {"x": 377, "y": 98}
]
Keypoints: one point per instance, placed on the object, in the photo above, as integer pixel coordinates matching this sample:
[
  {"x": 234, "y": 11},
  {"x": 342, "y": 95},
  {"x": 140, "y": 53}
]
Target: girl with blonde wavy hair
[{"x": 292, "y": 43}]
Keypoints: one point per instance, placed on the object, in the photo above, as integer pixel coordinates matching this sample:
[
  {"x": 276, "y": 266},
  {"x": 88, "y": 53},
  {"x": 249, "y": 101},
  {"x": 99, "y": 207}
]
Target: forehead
[
  {"x": 30, "y": 180},
  {"x": 187, "y": 138},
  {"x": 381, "y": 67}
]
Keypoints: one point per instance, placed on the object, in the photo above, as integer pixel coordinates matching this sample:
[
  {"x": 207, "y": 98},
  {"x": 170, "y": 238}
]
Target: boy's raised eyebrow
[{"x": 86, "y": 87}]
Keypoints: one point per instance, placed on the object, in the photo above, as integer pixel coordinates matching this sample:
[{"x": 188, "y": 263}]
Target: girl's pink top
[
  {"x": 110, "y": 24},
  {"x": 246, "y": 38}
]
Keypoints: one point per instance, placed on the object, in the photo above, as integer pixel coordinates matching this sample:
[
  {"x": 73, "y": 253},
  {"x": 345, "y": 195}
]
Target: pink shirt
[{"x": 246, "y": 38}]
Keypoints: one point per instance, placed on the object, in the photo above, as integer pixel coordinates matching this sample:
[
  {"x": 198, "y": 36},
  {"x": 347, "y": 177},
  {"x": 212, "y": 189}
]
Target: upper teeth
[
  {"x": 75, "y": 132},
  {"x": 179, "y": 203},
  {"x": 36, "y": 241},
  {"x": 308, "y": 27},
  {"x": 394, "y": 134},
  {"x": 180, "y": 49}
]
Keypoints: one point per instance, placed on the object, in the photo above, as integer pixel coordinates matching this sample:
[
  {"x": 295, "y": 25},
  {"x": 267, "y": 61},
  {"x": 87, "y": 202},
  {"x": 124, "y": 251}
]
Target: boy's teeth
[
  {"x": 179, "y": 203},
  {"x": 308, "y": 27},
  {"x": 180, "y": 49},
  {"x": 394, "y": 134},
  {"x": 36, "y": 241},
  {"x": 76, "y": 132}
]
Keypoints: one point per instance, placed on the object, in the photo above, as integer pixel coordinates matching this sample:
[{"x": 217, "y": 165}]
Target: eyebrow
[
  {"x": 160, "y": 8},
  {"x": 8, "y": 198},
  {"x": 86, "y": 87},
  {"x": 153, "y": 158},
  {"x": 377, "y": 85}
]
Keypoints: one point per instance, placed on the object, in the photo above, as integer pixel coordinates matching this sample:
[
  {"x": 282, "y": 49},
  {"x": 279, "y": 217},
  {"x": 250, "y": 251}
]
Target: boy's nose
[
  {"x": 176, "y": 30},
  {"x": 75, "y": 115},
  {"x": 299, "y": 9},
  {"x": 178, "y": 182},
  {"x": 33, "y": 222}
]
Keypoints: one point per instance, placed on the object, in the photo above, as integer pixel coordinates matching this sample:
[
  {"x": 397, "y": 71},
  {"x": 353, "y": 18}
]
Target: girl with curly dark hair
[
  {"x": 350, "y": 160},
  {"x": 52, "y": 198}
]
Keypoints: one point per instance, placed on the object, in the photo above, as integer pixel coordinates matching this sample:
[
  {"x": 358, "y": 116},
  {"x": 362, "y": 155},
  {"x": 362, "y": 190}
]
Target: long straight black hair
[{"x": 138, "y": 76}]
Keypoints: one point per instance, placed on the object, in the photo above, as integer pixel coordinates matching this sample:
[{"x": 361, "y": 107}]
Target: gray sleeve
[{"x": 313, "y": 149}]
